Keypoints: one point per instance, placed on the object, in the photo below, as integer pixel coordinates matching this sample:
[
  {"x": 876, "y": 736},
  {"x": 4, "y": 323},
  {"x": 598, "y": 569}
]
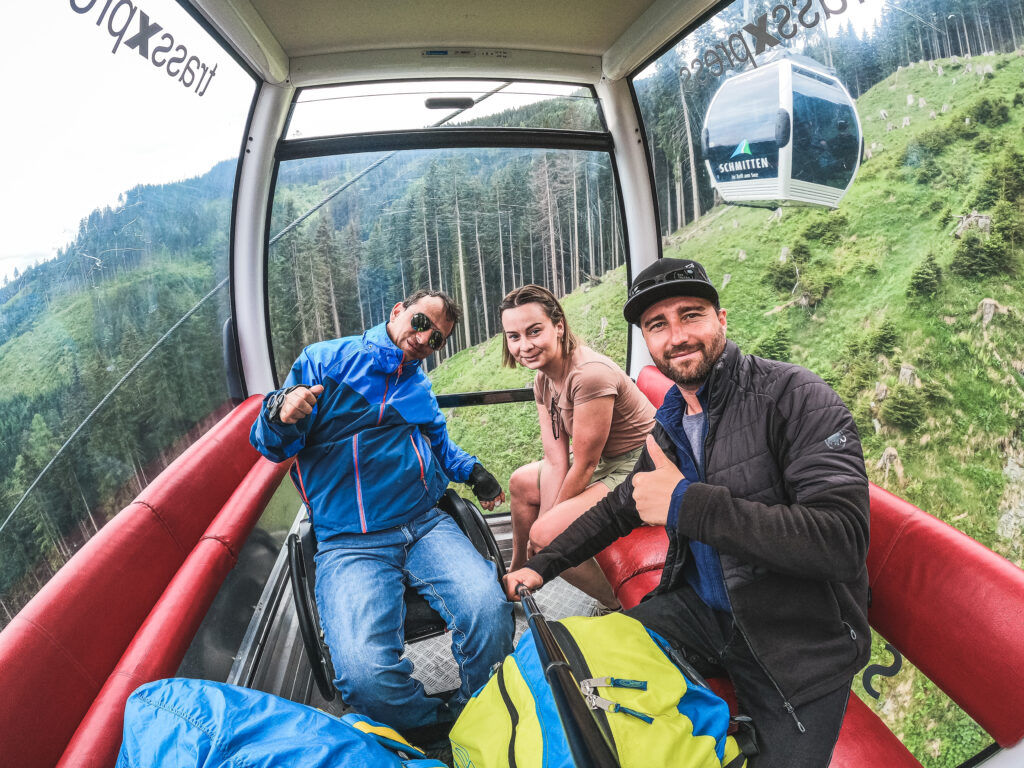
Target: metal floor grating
[{"x": 432, "y": 660}]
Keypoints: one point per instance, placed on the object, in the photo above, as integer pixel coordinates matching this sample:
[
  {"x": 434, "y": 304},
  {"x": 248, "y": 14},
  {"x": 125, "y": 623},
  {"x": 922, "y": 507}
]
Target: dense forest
[{"x": 474, "y": 224}]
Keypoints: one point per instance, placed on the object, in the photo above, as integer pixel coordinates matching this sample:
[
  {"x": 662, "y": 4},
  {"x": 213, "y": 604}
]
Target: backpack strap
[{"x": 745, "y": 736}]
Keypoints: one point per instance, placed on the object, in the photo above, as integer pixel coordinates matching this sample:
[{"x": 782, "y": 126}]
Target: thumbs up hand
[{"x": 652, "y": 491}]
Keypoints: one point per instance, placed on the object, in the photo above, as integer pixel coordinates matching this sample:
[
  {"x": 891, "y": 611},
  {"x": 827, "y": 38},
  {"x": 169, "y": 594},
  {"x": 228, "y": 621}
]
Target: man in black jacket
[{"x": 755, "y": 469}]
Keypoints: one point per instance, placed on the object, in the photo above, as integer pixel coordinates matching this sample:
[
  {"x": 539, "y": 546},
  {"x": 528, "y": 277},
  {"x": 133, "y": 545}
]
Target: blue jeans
[{"x": 360, "y": 582}]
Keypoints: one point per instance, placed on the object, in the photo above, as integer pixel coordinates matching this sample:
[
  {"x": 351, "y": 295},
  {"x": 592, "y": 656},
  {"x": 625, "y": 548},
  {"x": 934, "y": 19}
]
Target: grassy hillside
[{"x": 841, "y": 303}]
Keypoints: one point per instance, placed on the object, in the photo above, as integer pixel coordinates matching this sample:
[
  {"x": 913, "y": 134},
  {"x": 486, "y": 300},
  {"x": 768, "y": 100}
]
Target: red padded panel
[
  {"x": 636, "y": 589},
  {"x": 633, "y": 563},
  {"x": 197, "y": 484},
  {"x": 641, "y": 550},
  {"x": 654, "y": 384},
  {"x": 724, "y": 688},
  {"x": 156, "y": 652},
  {"x": 58, "y": 651},
  {"x": 235, "y": 522},
  {"x": 160, "y": 645},
  {"x": 953, "y": 608},
  {"x": 866, "y": 742}
]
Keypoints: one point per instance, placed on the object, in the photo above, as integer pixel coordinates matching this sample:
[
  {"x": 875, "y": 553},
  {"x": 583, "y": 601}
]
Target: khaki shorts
[{"x": 610, "y": 470}]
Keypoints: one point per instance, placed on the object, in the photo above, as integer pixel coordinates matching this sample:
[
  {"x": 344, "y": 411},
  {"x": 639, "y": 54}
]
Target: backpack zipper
[{"x": 581, "y": 671}]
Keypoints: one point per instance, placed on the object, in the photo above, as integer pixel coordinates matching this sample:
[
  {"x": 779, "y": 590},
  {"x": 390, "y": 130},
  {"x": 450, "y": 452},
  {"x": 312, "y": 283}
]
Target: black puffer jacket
[{"x": 786, "y": 506}]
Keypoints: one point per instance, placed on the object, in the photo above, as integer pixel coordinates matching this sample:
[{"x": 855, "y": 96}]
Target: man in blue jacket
[{"x": 373, "y": 457}]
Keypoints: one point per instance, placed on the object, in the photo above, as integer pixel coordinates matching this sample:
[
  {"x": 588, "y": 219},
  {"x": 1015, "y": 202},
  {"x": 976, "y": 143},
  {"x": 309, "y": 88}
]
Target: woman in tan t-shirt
[{"x": 583, "y": 397}]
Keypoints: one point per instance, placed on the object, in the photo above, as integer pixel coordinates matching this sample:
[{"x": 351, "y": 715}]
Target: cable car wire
[
  {"x": 334, "y": 193},
  {"x": 107, "y": 396}
]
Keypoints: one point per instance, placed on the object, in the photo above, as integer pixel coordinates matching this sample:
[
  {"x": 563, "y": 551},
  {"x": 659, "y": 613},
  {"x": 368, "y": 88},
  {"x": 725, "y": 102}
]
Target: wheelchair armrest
[{"x": 301, "y": 548}]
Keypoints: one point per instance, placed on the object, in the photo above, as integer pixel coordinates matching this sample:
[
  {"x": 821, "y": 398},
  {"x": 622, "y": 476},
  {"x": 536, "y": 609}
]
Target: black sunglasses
[
  {"x": 420, "y": 323},
  {"x": 686, "y": 273},
  {"x": 556, "y": 417}
]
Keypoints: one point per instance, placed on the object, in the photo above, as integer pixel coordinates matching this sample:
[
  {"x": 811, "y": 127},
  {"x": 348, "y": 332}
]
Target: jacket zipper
[
  {"x": 513, "y": 715},
  {"x": 383, "y": 402},
  {"x": 419, "y": 458},
  {"x": 302, "y": 489},
  {"x": 359, "y": 487},
  {"x": 785, "y": 702}
]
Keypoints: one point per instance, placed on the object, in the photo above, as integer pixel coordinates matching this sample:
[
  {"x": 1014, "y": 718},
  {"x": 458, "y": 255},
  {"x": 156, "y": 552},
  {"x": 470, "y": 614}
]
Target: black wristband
[
  {"x": 275, "y": 401},
  {"x": 483, "y": 483}
]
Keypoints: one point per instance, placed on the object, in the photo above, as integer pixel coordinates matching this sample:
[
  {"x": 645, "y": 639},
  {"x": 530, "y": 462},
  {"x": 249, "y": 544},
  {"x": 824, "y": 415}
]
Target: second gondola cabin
[{"x": 785, "y": 132}]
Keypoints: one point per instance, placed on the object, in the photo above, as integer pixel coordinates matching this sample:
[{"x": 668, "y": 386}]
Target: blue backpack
[{"x": 185, "y": 723}]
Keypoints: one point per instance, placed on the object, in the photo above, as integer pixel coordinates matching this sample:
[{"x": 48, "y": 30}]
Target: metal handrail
[{"x": 587, "y": 742}]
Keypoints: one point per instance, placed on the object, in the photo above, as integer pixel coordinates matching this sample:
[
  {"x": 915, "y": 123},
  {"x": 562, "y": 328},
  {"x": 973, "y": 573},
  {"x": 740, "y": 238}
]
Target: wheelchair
[{"x": 421, "y": 621}]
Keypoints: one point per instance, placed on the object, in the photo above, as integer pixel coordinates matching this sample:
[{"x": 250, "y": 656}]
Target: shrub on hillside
[
  {"x": 990, "y": 112},
  {"x": 985, "y": 197},
  {"x": 883, "y": 340},
  {"x": 1007, "y": 175},
  {"x": 1008, "y": 222},
  {"x": 904, "y": 408},
  {"x": 815, "y": 284},
  {"x": 925, "y": 279},
  {"x": 977, "y": 257},
  {"x": 946, "y": 217},
  {"x": 781, "y": 277},
  {"x": 1018, "y": 99},
  {"x": 829, "y": 229},
  {"x": 928, "y": 172},
  {"x": 776, "y": 345},
  {"x": 933, "y": 392},
  {"x": 800, "y": 252}
]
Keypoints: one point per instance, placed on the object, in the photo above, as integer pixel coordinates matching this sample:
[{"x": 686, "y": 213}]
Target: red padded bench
[
  {"x": 124, "y": 609},
  {"x": 952, "y": 607}
]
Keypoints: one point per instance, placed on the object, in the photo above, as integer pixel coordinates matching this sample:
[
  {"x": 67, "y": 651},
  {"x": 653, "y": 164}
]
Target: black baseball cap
[{"x": 665, "y": 278}]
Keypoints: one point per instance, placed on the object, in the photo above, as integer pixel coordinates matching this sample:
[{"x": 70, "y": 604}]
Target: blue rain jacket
[
  {"x": 202, "y": 724},
  {"x": 375, "y": 452}
]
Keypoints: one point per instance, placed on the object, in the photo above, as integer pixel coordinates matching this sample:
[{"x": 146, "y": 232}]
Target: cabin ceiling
[
  {"x": 279, "y": 36},
  {"x": 310, "y": 27}
]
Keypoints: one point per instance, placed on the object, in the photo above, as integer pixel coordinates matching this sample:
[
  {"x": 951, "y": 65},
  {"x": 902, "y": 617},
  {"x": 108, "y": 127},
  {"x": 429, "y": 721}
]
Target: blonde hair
[{"x": 537, "y": 294}]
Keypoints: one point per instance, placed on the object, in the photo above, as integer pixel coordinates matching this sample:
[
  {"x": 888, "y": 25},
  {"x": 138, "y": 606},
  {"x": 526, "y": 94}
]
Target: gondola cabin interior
[{"x": 197, "y": 189}]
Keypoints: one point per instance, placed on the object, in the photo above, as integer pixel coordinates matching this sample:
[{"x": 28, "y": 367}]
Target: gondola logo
[
  {"x": 743, "y": 148},
  {"x": 748, "y": 164}
]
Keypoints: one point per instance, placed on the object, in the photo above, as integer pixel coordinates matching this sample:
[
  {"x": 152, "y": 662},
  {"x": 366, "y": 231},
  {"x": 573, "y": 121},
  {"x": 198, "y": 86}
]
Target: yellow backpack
[{"x": 652, "y": 713}]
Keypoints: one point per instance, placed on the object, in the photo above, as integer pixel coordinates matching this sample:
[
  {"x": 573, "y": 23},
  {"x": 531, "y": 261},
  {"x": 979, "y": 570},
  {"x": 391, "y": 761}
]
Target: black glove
[
  {"x": 275, "y": 401},
  {"x": 483, "y": 483}
]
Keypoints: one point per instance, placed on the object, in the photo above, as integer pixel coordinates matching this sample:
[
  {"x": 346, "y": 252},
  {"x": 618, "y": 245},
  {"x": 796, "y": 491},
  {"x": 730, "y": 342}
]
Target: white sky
[{"x": 83, "y": 124}]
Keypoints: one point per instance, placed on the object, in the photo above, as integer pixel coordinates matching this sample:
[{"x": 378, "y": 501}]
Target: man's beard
[{"x": 693, "y": 376}]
